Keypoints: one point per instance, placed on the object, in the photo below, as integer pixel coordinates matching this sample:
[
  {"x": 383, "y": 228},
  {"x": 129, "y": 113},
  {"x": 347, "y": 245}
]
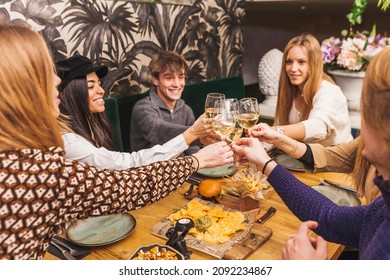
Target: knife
[{"x": 267, "y": 215}]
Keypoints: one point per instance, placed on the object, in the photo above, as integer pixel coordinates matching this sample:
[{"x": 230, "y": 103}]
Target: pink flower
[
  {"x": 330, "y": 48},
  {"x": 352, "y": 53}
]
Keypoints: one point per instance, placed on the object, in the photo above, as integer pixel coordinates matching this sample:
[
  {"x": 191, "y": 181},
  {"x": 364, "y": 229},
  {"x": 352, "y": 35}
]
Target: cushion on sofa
[
  {"x": 195, "y": 95},
  {"x": 125, "y": 106},
  {"x": 112, "y": 113}
]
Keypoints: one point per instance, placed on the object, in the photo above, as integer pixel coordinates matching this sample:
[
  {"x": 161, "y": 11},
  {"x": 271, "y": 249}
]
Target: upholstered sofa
[{"x": 119, "y": 110}]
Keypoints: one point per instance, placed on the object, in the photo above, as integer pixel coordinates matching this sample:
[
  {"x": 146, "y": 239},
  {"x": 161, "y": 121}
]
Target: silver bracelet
[{"x": 279, "y": 130}]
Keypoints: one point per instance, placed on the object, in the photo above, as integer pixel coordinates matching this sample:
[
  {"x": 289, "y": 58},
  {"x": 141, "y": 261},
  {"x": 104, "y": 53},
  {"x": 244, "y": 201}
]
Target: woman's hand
[
  {"x": 250, "y": 149},
  {"x": 263, "y": 132},
  {"x": 304, "y": 247},
  {"x": 213, "y": 155},
  {"x": 212, "y": 138}
]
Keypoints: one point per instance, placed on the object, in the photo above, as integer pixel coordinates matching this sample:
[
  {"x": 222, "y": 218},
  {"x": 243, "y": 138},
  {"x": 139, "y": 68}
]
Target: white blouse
[
  {"x": 78, "y": 148},
  {"x": 328, "y": 122}
]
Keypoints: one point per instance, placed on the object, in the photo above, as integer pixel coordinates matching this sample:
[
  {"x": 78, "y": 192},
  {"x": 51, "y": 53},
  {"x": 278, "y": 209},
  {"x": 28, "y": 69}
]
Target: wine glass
[
  {"x": 209, "y": 105},
  {"x": 237, "y": 132},
  {"x": 233, "y": 103},
  {"x": 225, "y": 120},
  {"x": 249, "y": 112}
]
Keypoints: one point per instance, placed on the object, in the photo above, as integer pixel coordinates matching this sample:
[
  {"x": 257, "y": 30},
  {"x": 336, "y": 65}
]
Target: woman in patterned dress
[{"x": 40, "y": 190}]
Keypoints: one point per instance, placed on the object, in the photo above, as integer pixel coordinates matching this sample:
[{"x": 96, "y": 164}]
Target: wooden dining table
[{"x": 283, "y": 225}]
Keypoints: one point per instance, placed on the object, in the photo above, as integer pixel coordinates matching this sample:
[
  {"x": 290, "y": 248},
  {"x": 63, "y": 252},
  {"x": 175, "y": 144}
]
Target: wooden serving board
[
  {"x": 245, "y": 244},
  {"x": 252, "y": 241},
  {"x": 237, "y": 201},
  {"x": 230, "y": 201}
]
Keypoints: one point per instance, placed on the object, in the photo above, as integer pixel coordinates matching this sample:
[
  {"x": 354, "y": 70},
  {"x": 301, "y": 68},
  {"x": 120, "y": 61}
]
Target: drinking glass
[
  {"x": 249, "y": 112},
  {"x": 225, "y": 120},
  {"x": 209, "y": 105},
  {"x": 237, "y": 132}
]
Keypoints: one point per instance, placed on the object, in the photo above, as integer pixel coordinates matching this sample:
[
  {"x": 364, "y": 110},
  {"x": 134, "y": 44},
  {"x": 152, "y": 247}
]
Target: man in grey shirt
[{"x": 162, "y": 115}]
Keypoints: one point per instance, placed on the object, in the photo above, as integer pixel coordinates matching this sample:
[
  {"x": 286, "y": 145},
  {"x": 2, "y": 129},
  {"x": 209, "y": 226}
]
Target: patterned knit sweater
[
  {"x": 40, "y": 191},
  {"x": 364, "y": 227}
]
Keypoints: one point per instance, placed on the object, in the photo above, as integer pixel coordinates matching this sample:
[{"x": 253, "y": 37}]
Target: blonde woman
[
  {"x": 40, "y": 189},
  {"x": 310, "y": 106},
  {"x": 365, "y": 227}
]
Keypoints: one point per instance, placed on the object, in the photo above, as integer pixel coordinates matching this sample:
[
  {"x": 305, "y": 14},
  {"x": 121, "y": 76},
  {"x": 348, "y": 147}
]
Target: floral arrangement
[{"x": 354, "y": 50}]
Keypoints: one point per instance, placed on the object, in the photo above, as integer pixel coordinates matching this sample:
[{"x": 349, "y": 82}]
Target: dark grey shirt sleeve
[{"x": 152, "y": 125}]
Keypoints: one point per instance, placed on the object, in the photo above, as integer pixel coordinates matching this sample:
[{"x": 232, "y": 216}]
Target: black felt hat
[{"x": 77, "y": 66}]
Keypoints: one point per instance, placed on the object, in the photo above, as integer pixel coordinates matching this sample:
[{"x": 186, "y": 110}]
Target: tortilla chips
[{"x": 223, "y": 223}]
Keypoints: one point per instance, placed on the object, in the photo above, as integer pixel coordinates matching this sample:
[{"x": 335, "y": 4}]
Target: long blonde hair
[
  {"x": 375, "y": 101},
  {"x": 360, "y": 170},
  {"x": 27, "y": 114},
  {"x": 375, "y": 104},
  {"x": 287, "y": 91}
]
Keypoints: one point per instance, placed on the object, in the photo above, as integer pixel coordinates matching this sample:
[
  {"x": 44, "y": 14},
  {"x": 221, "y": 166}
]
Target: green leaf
[
  {"x": 355, "y": 15},
  {"x": 383, "y": 4},
  {"x": 373, "y": 30}
]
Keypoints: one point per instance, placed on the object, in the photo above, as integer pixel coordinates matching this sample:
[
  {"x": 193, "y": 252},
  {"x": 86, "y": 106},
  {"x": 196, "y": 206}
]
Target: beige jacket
[{"x": 341, "y": 158}]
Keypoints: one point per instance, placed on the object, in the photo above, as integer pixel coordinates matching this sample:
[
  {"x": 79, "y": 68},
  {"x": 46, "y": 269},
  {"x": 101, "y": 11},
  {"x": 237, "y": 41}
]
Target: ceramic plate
[
  {"x": 102, "y": 230},
  {"x": 339, "y": 196},
  {"x": 224, "y": 170},
  {"x": 289, "y": 162}
]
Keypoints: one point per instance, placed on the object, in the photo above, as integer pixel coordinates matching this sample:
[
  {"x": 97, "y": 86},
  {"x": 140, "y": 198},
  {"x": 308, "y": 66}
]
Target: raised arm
[{"x": 86, "y": 190}]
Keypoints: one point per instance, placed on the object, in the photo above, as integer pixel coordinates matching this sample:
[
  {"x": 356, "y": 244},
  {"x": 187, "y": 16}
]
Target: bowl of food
[{"x": 156, "y": 252}]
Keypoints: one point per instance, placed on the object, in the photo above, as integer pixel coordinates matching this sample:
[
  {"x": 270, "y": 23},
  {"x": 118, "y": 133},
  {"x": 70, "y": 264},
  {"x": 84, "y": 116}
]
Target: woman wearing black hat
[{"x": 91, "y": 139}]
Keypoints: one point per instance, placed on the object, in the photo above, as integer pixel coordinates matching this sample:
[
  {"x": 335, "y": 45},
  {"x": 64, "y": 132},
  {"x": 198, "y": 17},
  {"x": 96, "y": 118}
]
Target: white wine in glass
[
  {"x": 247, "y": 120},
  {"x": 210, "y": 109},
  {"x": 225, "y": 121},
  {"x": 223, "y": 127},
  {"x": 248, "y": 112},
  {"x": 235, "y": 134}
]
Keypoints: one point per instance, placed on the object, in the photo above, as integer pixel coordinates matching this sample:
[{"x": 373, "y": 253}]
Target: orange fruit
[{"x": 209, "y": 188}]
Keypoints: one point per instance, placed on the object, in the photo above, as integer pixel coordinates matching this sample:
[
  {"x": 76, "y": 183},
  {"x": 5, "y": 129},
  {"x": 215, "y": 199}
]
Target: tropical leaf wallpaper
[{"x": 124, "y": 35}]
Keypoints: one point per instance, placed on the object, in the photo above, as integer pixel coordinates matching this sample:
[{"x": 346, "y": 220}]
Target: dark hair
[
  {"x": 167, "y": 60},
  {"x": 75, "y": 106}
]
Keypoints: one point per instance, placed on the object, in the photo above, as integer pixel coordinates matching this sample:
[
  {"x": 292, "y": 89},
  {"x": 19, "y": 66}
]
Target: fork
[
  {"x": 72, "y": 251},
  {"x": 63, "y": 250}
]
